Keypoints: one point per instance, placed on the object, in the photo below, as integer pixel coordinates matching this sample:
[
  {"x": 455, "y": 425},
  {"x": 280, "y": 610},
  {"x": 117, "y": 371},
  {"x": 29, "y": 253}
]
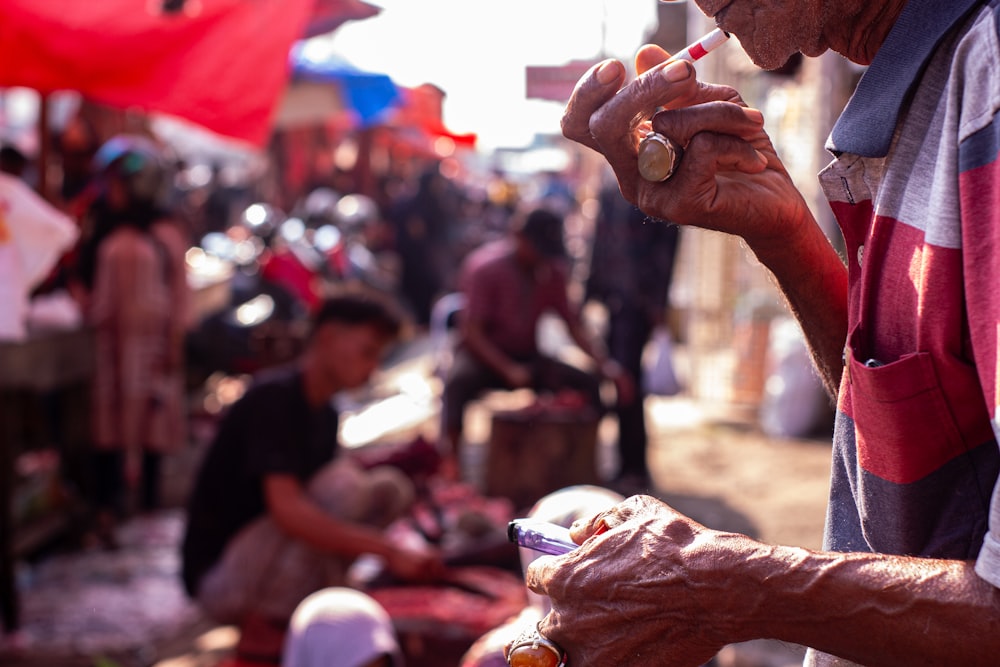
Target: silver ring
[
  {"x": 531, "y": 648},
  {"x": 658, "y": 157}
]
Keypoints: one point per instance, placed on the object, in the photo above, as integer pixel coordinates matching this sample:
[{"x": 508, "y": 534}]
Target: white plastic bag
[
  {"x": 658, "y": 375},
  {"x": 33, "y": 234},
  {"x": 795, "y": 404}
]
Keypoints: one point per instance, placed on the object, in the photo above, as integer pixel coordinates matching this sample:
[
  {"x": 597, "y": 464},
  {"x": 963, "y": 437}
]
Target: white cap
[{"x": 339, "y": 627}]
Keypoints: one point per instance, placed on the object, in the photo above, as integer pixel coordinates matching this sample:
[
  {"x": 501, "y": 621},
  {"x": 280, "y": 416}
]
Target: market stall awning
[
  {"x": 222, "y": 64},
  {"x": 421, "y": 110},
  {"x": 324, "y": 84},
  {"x": 328, "y": 15}
]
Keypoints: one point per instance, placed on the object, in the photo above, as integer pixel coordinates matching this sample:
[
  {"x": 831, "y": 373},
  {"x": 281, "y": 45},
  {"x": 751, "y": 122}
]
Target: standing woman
[{"x": 139, "y": 308}]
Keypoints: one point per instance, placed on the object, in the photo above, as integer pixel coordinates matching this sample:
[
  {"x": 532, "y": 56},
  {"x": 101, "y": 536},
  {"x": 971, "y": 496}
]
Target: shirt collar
[{"x": 868, "y": 121}]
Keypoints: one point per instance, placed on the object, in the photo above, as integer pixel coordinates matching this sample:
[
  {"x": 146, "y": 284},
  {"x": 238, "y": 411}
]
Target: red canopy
[
  {"x": 422, "y": 109},
  {"x": 222, "y": 64}
]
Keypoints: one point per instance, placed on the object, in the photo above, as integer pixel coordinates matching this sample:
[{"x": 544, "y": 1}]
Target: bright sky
[{"x": 477, "y": 52}]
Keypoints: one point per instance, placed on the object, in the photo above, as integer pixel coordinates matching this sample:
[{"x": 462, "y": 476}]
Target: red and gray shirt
[{"x": 915, "y": 187}]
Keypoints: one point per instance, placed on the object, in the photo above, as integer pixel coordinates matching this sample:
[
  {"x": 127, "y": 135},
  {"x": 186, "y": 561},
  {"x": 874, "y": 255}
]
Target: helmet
[
  {"x": 355, "y": 212},
  {"x": 262, "y": 219},
  {"x": 320, "y": 207},
  {"x": 138, "y": 163}
]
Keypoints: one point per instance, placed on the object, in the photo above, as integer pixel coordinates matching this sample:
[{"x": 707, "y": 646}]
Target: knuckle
[
  {"x": 600, "y": 121},
  {"x": 567, "y": 128},
  {"x": 731, "y": 95}
]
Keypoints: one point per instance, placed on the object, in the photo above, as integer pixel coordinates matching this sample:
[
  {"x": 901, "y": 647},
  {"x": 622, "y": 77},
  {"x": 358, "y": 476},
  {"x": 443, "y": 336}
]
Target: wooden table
[{"x": 46, "y": 361}]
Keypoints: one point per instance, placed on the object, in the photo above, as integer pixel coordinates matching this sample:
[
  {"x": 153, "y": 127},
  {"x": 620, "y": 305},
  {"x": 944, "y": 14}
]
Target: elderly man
[{"x": 908, "y": 330}]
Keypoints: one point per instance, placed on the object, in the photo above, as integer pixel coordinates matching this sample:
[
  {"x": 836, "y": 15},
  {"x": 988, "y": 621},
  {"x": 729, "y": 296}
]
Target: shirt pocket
[{"x": 904, "y": 426}]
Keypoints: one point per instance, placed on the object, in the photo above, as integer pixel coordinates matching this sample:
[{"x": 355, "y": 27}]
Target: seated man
[
  {"x": 275, "y": 513},
  {"x": 508, "y": 284}
]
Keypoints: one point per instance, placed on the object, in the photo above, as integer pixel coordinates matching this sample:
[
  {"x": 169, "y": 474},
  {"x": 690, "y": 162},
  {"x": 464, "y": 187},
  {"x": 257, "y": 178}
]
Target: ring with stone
[
  {"x": 658, "y": 157},
  {"x": 532, "y": 649}
]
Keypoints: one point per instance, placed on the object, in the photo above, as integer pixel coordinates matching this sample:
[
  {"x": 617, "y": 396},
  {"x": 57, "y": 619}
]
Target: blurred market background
[{"x": 299, "y": 131}]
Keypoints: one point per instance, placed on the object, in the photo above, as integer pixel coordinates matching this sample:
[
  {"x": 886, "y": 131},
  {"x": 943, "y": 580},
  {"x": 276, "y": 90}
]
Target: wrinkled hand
[
  {"x": 652, "y": 589},
  {"x": 730, "y": 178}
]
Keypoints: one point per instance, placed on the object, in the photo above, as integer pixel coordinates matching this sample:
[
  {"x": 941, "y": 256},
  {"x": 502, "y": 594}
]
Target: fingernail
[
  {"x": 676, "y": 71},
  {"x": 607, "y": 72},
  {"x": 754, "y": 114}
]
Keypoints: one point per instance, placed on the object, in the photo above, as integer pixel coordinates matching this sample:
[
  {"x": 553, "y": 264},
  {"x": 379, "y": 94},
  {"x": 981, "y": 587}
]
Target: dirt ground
[
  {"x": 725, "y": 473},
  {"x": 716, "y": 466}
]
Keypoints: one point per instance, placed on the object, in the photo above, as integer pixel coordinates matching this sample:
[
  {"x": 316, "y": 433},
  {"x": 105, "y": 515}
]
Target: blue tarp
[{"x": 368, "y": 94}]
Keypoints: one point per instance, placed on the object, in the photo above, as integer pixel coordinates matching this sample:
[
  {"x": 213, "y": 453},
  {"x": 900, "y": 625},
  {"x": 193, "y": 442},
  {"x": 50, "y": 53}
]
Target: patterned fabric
[
  {"x": 140, "y": 311},
  {"x": 913, "y": 188}
]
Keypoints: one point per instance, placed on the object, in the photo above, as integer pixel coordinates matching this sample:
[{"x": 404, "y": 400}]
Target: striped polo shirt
[{"x": 915, "y": 186}]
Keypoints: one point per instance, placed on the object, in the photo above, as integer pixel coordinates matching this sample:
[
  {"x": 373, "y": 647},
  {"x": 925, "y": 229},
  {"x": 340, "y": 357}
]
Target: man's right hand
[{"x": 730, "y": 178}]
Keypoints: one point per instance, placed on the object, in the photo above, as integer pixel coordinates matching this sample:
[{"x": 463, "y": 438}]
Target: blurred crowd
[
  {"x": 151, "y": 230},
  {"x": 404, "y": 231}
]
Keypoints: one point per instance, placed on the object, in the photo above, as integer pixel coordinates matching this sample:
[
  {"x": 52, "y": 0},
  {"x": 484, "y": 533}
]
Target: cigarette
[{"x": 702, "y": 47}]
